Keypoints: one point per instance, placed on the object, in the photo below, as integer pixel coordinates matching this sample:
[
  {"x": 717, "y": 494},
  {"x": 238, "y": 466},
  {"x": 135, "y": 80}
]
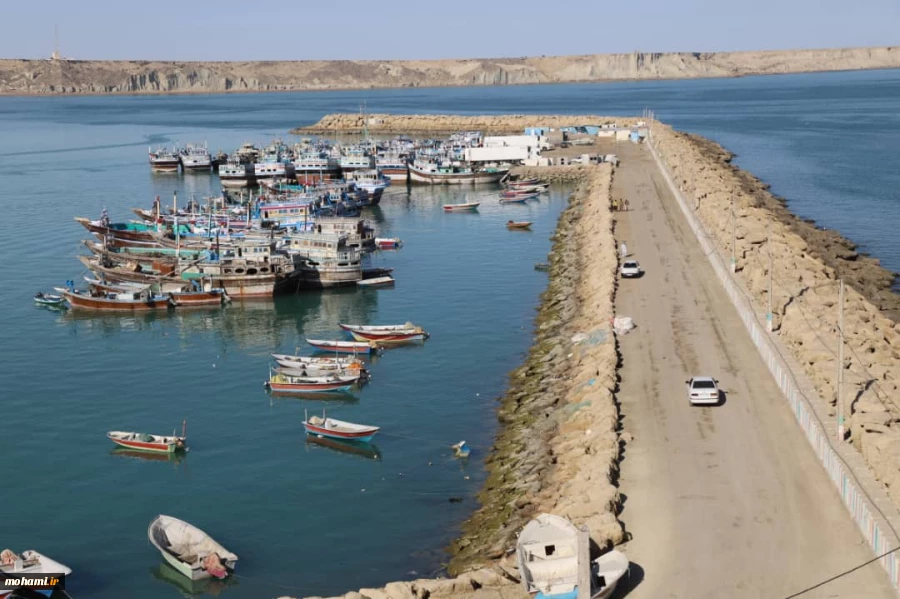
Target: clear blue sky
[{"x": 385, "y": 29}]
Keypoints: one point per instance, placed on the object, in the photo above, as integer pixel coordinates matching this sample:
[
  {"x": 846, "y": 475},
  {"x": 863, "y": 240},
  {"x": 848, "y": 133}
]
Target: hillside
[{"x": 27, "y": 77}]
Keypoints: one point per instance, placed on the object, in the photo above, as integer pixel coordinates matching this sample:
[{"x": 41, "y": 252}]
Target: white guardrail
[{"x": 863, "y": 511}]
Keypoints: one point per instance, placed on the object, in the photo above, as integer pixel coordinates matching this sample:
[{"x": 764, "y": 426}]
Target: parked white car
[
  {"x": 631, "y": 268},
  {"x": 703, "y": 390}
]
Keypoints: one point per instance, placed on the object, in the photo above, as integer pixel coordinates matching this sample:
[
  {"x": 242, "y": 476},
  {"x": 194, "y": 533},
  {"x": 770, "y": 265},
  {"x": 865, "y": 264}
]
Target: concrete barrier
[{"x": 861, "y": 502}]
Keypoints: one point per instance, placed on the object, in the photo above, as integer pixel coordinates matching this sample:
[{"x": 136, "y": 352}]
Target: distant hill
[{"x": 27, "y": 77}]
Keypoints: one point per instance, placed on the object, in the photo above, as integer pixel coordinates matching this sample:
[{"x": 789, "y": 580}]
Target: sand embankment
[
  {"x": 431, "y": 124},
  {"x": 558, "y": 448},
  {"x": 27, "y": 77},
  {"x": 806, "y": 266}
]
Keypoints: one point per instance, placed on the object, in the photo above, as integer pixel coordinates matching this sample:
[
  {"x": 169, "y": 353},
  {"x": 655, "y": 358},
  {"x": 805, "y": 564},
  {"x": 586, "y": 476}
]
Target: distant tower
[{"x": 55, "y": 55}]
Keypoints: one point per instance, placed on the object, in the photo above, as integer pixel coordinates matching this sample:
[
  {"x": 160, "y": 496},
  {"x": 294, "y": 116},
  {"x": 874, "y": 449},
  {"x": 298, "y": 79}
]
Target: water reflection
[
  {"x": 365, "y": 450},
  {"x": 175, "y": 457}
]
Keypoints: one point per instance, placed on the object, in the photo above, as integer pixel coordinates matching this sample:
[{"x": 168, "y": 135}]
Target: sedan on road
[
  {"x": 703, "y": 390},
  {"x": 631, "y": 268}
]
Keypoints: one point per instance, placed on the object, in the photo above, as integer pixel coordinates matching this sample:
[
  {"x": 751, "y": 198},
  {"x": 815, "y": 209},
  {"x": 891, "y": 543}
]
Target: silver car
[
  {"x": 631, "y": 268},
  {"x": 703, "y": 391}
]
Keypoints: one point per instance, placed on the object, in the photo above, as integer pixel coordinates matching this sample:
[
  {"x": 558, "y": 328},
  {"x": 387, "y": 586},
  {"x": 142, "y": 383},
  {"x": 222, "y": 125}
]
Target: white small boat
[
  {"x": 548, "y": 559},
  {"x": 190, "y": 550},
  {"x": 29, "y": 564},
  {"x": 462, "y": 207},
  {"x": 376, "y": 282}
]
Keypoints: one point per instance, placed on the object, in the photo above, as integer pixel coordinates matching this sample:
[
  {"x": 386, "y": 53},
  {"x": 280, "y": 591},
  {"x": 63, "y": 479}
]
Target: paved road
[{"x": 725, "y": 501}]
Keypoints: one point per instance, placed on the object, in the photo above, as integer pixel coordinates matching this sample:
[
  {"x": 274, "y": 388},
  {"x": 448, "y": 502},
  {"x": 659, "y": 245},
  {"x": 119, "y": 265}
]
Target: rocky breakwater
[
  {"x": 449, "y": 123},
  {"x": 807, "y": 264}
]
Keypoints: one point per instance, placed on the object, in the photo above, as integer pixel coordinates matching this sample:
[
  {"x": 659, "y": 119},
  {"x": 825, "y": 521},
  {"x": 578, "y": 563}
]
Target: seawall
[
  {"x": 430, "y": 124},
  {"x": 55, "y": 77}
]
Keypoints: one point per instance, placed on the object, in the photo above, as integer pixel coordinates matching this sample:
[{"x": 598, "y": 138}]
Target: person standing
[{"x": 624, "y": 250}]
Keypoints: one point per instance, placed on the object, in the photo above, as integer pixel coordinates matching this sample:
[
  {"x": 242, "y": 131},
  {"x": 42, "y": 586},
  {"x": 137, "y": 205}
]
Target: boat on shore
[
  {"x": 189, "y": 550},
  {"x": 462, "y": 207},
  {"x": 338, "y": 429},
  {"x": 386, "y": 334},
  {"x": 152, "y": 443},
  {"x": 550, "y": 562},
  {"x": 344, "y": 347},
  {"x": 30, "y": 564}
]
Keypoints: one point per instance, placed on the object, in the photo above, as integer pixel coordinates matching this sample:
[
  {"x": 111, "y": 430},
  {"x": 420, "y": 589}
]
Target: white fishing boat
[
  {"x": 189, "y": 550},
  {"x": 434, "y": 174},
  {"x": 376, "y": 282},
  {"x": 551, "y": 565},
  {"x": 235, "y": 174},
  {"x": 30, "y": 564},
  {"x": 195, "y": 157}
]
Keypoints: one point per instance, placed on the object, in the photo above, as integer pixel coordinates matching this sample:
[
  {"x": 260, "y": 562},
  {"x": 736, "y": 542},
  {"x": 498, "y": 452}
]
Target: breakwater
[
  {"x": 450, "y": 123},
  {"x": 806, "y": 265},
  {"x": 30, "y": 77}
]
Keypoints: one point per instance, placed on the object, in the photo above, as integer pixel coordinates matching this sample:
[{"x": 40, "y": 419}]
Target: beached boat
[
  {"x": 290, "y": 384},
  {"x": 433, "y": 174},
  {"x": 48, "y": 299},
  {"x": 387, "y": 243},
  {"x": 189, "y": 550},
  {"x": 549, "y": 561},
  {"x": 30, "y": 564},
  {"x": 376, "y": 282},
  {"x": 120, "y": 301},
  {"x": 511, "y": 224},
  {"x": 338, "y": 429},
  {"x": 344, "y": 347},
  {"x": 163, "y": 160},
  {"x": 386, "y": 334},
  {"x": 153, "y": 443},
  {"x": 462, "y": 207}
]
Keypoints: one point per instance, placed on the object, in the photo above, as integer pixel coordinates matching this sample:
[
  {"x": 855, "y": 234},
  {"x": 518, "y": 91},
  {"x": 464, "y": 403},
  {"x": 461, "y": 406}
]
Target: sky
[{"x": 387, "y": 29}]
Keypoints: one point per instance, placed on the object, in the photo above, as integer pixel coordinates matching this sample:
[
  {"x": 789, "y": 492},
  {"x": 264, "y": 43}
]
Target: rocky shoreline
[{"x": 807, "y": 265}]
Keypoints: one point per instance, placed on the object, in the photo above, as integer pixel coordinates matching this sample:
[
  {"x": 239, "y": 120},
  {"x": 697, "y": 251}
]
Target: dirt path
[{"x": 726, "y": 501}]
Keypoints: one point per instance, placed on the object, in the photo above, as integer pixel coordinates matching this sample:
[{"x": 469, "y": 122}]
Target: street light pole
[
  {"x": 840, "y": 377},
  {"x": 733, "y": 236}
]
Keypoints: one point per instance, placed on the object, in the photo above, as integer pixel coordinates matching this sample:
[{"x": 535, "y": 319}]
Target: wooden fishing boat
[
  {"x": 462, "y": 207},
  {"x": 344, "y": 347},
  {"x": 131, "y": 230},
  {"x": 307, "y": 371},
  {"x": 289, "y": 360},
  {"x": 511, "y": 224},
  {"x": 152, "y": 443},
  {"x": 30, "y": 564},
  {"x": 48, "y": 299},
  {"x": 376, "y": 282},
  {"x": 189, "y": 550},
  {"x": 515, "y": 199},
  {"x": 550, "y": 562},
  {"x": 188, "y": 299},
  {"x": 290, "y": 384},
  {"x": 123, "y": 301},
  {"x": 453, "y": 175},
  {"x": 386, "y": 334},
  {"x": 387, "y": 243},
  {"x": 338, "y": 429}
]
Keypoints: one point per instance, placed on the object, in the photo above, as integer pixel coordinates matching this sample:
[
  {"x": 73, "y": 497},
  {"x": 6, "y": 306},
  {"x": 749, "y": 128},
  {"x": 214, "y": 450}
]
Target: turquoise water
[{"x": 299, "y": 515}]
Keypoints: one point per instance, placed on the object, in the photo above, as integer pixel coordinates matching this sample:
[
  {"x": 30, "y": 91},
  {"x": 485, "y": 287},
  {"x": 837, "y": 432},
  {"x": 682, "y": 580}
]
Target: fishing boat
[
  {"x": 152, "y": 443},
  {"x": 194, "y": 296},
  {"x": 462, "y": 207},
  {"x": 120, "y": 301},
  {"x": 133, "y": 231},
  {"x": 30, "y": 564},
  {"x": 236, "y": 174},
  {"x": 344, "y": 347},
  {"x": 48, "y": 299},
  {"x": 386, "y": 334},
  {"x": 164, "y": 161},
  {"x": 195, "y": 157},
  {"x": 512, "y": 224},
  {"x": 550, "y": 563},
  {"x": 516, "y": 199},
  {"x": 434, "y": 174},
  {"x": 376, "y": 282},
  {"x": 387, "y": 243},
  {"x": 294, "y": 361},
  {"x": 311, "y": 371},
  {"x": 290, "y": 384},
  {"x": 338, "y": 429},
  {"x": 189, "y": 550}
]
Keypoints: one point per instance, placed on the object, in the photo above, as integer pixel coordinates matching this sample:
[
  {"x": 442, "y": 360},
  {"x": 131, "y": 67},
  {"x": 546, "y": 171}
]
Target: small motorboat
[
  {"x": 336, "y": 363},
  {"x": 376, "y": 282},
  {"x": 387, "y": 243},
  {"x": 386, "y": 334},
  {"x": 512, "y": 224},
  {"x": 154, "y": 443},
  {"x": 48, "y": 299},
  {"x": 130, "y": 301},
  {"x": 338, "y": 429},
  {"x": 189, "y": 550},
  {"x": 461, "y": 450},
  {"x": 516, "y": 199},
  {"x": 30, "y": 564},
  {"x": 462, "y": 207},
  {"x": 305, "y": 371},
  {"x": 283, "y": 383},
  {"x": 344, "y": 347}
]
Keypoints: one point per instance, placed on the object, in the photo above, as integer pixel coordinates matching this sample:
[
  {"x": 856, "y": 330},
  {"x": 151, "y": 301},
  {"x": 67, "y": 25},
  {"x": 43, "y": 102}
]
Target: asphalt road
[{"x": 726, "y": 501}]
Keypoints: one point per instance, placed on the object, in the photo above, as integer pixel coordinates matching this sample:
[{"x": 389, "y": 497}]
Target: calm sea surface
[{"x": 307, "y": 519}]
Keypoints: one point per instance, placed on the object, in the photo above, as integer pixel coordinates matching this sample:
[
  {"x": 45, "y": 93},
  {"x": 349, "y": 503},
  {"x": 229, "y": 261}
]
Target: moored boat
[
  {"x": 344, "y": 347},
  {"x": 121, "y": 301},
  {"x": 337, "y": 363},
  {"x": 163, "y": 160},
  {"x": 152, "y": 443},
  {"x": 386, "y": 334},
  {"x": 511, "y": 224},
  {"x": 338, "y": 429},
  {"x": 189, "y": 550},
  {"x": 30, "y": 564},
  {"x": 462, "y": 207},
  {"x": 433, "y": 174},
  {"x": 48, "y": 299},
  {"x": 195, "y": 157},
  {"x": 307, "y": 371},
  {"x": 376, "y": 282},
  {"x": 290, "y": 384},
  {"x": 388, "y": 243}
]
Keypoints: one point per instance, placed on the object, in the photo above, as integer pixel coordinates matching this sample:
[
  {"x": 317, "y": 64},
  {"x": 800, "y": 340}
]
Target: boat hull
[
  {"x": 112, "y": 305},
  {"x": 308, "y": 387},
  {"x": 462, "y": 207},
  {"x": 392, "y": 338},
  {"x": 432, "y": 178},
  {"x": 148, "y": 447},
  {"x": 360, "y": 437}
]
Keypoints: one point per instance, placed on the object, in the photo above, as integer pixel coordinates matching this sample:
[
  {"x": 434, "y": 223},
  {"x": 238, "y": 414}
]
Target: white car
[
  {"x": 703, "y": 390},
  {"x": 631, "y": 268}
]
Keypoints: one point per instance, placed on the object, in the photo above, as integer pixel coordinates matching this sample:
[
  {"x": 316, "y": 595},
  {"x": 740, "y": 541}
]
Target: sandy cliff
[{"x": 27, "y": 77}]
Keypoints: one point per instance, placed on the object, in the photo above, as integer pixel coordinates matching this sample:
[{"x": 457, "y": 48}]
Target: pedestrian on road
[{"x": 624, "y": 250}]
